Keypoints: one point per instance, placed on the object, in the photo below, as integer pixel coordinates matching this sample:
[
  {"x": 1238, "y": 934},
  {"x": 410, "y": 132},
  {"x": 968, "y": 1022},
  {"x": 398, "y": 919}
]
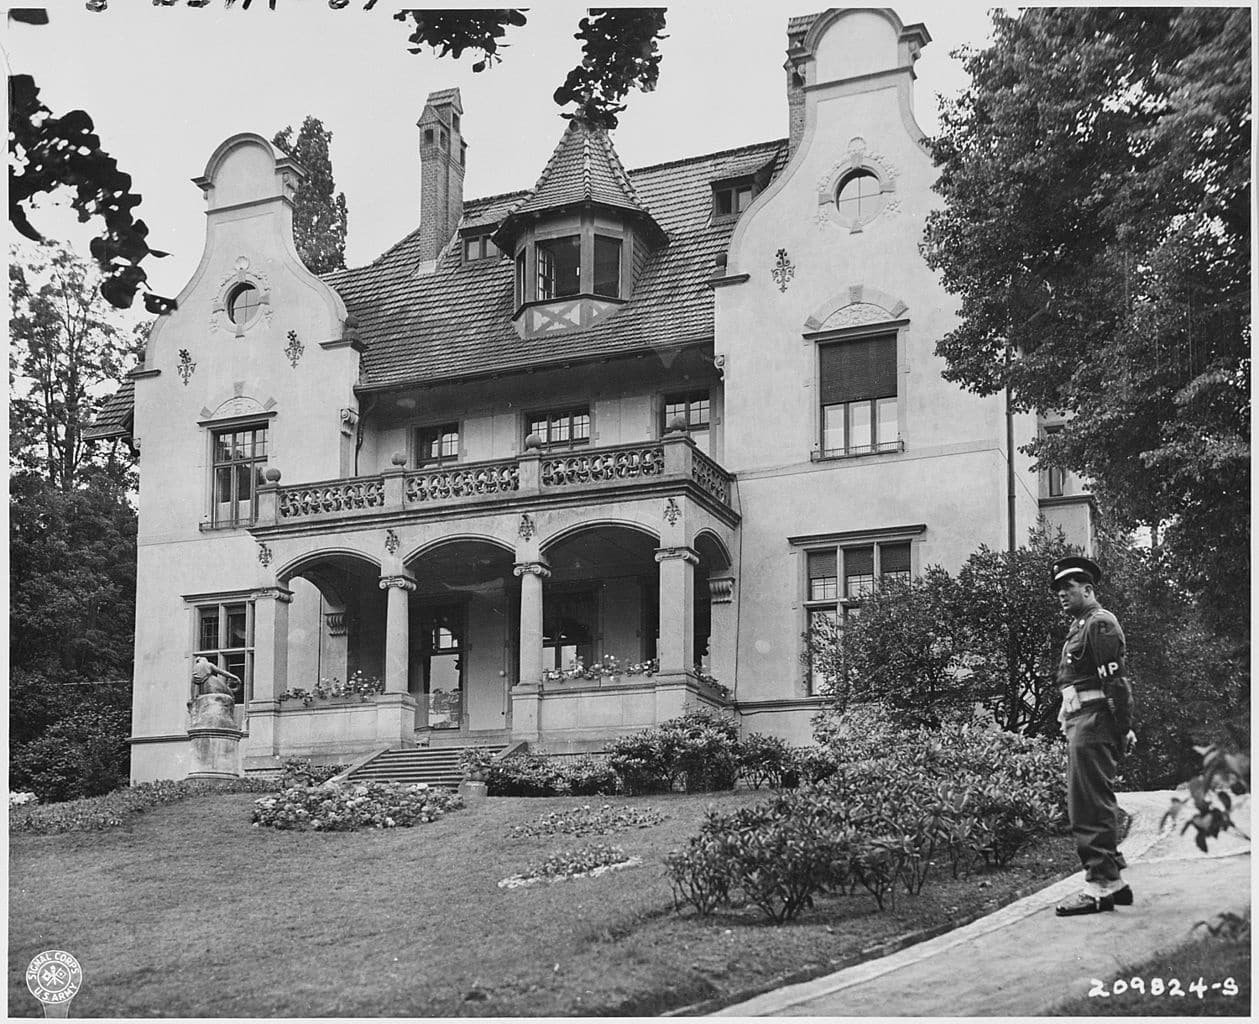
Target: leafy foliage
[
  {"x": 698, "y": 749},
  {"x": 588, "y": 821},
  {"x": 877, "y": 822},
  {"x": 1096, "y": 180},
  {"x": 1225, "y": 777},
  {"x": 48, "y": 152},
  {"x": 319, "y": 216},
  {"x": 620, "y": 51},
  {"x": 348, "y": 807},
  {"x": 768, "y": 761}
]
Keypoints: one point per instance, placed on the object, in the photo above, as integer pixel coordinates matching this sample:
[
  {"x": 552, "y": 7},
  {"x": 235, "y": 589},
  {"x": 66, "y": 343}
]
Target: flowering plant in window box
[
  {"x": 358, "y": 685},
  {"x": 711, "y": 680},
  {"x": 609, "y": 666}
]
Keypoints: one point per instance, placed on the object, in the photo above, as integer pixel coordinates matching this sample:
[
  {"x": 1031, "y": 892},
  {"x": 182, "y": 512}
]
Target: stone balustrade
[{"x": 534, "y": 474}]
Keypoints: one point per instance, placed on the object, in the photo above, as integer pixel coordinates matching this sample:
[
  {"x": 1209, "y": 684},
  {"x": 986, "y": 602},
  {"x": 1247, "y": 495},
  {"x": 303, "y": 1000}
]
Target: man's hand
[{"x": 1129, "y": 743}]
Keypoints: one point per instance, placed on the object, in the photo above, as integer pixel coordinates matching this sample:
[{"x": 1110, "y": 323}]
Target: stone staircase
[{"x": 438, "y": 766}]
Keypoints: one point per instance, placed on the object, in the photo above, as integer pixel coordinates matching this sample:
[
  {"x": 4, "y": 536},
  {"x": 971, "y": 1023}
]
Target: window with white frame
[
  {"x": 437, "y": 445},
  {"x": 560, "y": 428},
  {"x": 857, "y": 389},
  {"x": 839, "y": 577},
  {"x": 239, "y": 457},
  {"x": 225, "y": 637}
]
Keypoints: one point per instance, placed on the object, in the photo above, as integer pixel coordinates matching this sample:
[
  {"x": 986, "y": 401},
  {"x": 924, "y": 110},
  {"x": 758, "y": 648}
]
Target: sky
[{"x": 165, "y": 86}]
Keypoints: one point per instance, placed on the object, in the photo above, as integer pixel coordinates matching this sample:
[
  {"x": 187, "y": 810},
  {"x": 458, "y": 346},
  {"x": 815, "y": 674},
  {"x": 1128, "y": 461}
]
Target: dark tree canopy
[
  {"x": 1096, "y": 180},
  {"x": 319, "y": 215}
]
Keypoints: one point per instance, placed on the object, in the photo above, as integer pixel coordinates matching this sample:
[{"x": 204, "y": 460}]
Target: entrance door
[{"x": 442, "y": 657}]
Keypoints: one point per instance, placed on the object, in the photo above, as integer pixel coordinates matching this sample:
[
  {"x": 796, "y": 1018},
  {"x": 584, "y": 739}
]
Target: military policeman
[{"x": 1096, "y": 716}]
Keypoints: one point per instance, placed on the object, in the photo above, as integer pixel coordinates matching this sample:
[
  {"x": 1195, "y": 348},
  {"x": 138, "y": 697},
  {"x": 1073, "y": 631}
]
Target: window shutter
[
  {"x": 822, "y": 565},
  {"x": 860, "y": 369},
  {"x": 894, "y": 558},
  {"x": 858, "y": 562}
]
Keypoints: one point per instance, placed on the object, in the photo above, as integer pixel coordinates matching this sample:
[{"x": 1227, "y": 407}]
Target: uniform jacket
[{"x": 1093, "y": 657}]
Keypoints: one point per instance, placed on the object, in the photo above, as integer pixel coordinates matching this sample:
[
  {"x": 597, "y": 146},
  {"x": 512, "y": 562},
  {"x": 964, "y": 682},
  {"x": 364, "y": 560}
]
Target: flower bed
[
  {"x": 588, "y": 821},
  {"x": 350, "y": 807},
  {"x": 584, "y": 862}
]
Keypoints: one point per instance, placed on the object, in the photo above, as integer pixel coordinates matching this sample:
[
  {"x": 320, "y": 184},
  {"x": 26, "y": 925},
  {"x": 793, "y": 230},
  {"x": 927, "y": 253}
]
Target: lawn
[
  {"x": 1210, "y": 961},
  {"x": 191, "y": 911}
]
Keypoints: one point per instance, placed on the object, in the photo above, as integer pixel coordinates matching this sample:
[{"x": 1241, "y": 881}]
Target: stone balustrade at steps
[{"x": 437, "y": 766}]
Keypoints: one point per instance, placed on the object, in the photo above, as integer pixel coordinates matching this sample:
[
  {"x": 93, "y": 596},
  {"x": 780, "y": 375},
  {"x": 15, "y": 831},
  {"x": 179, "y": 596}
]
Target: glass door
[{"x": 443, "y": 631}]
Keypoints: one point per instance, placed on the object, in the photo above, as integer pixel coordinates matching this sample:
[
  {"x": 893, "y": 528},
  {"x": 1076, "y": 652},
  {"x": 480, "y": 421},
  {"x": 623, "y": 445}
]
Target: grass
[
  {"x": 191, "y": 911},
  {"x": 1209, "y": 959}
]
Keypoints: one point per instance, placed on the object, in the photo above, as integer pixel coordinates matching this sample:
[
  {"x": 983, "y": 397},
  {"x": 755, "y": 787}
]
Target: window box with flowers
[
  {"x": 608, "y": 668},
  {"x": 359, "y": 688}
]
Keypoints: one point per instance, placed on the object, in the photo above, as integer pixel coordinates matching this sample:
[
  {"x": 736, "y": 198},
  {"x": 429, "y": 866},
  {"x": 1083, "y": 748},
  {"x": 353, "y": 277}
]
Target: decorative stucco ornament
[
  {"x": 784, "y": 270},
  {"x": 857, "y": 157},
  {"x": 672, "y": 513},
  {"x": 391, "y": 542},
  {"x": 527, "y": 527},
  {"x": 264, "y": 554},
  {"x": 294, "y": 349},
  {"x": 186, "y": 366}
]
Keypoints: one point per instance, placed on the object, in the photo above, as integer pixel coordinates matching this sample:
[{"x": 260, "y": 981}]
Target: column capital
[
  {"x": 276, "y": 593},
  {"x": 532, "y": 568},
  {"x": 684, "y": 553},
  {"x": 406, "y": 583}
]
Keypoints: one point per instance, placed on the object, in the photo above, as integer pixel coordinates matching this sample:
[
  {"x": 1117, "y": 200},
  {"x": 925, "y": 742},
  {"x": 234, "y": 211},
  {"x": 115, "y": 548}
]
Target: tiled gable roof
[
  {"x": 114, "y": 418},
  {"x": 456, "y": 321}
]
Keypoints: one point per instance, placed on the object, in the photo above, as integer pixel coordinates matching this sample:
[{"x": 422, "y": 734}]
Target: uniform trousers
[{"x": 1093, "y": 749}]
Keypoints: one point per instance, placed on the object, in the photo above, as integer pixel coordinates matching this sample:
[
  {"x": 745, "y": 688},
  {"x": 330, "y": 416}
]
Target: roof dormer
[{"x": 577, "y": 237}]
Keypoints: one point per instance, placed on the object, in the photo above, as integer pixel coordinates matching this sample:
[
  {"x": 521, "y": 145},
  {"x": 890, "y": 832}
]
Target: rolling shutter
[{"x": 855, "y": 370}]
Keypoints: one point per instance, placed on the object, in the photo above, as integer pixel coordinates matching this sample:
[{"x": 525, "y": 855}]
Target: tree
[
  {"x": 1096, "y": 182},
  {"x": 65, "y": 344},
  {"x": 319, "y": 217},
  {"x": 46, "y": 152}
]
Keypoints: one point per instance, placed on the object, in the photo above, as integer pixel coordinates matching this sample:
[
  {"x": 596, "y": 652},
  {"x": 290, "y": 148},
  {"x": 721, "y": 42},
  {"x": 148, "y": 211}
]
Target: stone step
[{"x": 435, "y": 766}]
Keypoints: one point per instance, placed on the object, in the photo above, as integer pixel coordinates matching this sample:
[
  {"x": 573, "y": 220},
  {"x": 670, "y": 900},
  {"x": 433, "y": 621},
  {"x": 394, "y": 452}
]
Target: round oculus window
[
  {"x": 859, "y": 196},
  {"x": 243, "y": 304}
]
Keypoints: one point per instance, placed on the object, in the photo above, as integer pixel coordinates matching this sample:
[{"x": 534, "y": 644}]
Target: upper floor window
[
  {"x": 1057, "y": 476},
  {"x": 479, "y": 247},
  {"x": 857, "y": 390},
  {"x": 860, "y": 196},
  {"x": 437, "y": 445},
  {"x": 561, "y": 427},
  {"x": 731, "y": 198},
  {"x": 559, "y": 267},
  {"x": 225, "y": 638},
  {"x": 243, "y": 304},
  {"x": 607, "y": 268},
  {"x": 239, "y": 457}
]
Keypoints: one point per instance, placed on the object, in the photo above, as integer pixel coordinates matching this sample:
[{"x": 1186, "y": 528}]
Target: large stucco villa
[{"x": 653, "y": 420}]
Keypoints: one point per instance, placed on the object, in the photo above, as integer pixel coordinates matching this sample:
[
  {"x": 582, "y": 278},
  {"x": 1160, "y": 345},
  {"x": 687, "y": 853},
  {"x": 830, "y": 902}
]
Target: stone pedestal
[
  {"x": 214, "y": 738},
  {"x": 395, "y": 719},
  {"x": 473, "y": 793}
]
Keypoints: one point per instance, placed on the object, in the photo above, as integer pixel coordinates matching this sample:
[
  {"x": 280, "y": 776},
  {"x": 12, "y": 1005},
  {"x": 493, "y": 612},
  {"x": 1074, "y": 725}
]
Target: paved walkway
[{"x": 1023, "y": 960}]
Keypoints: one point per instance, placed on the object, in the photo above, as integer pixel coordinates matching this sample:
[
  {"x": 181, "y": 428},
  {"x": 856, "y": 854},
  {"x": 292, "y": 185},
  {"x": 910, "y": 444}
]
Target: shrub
[
  {"x": 698, "y": 749},
  {"x": 525, "y": 775},
  {"x": 120, "y": 806},
  {"x": 768, "y": 761},
  {"x": 590, "y": 776},
  {"x": 350, "y": 807}
]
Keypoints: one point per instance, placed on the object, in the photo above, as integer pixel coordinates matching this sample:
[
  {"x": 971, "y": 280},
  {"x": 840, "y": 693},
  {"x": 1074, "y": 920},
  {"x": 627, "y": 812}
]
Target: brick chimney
[
  {"x": 442, "y": 156},
  {"x": 797, "y": 59}
]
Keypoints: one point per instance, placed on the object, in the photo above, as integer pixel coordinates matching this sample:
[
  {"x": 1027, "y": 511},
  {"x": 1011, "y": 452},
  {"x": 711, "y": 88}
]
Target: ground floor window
[
  {"x": 838, "y": 578},
  {"x": 225, "y": 637},
  {"x": 569, "y": 624}
]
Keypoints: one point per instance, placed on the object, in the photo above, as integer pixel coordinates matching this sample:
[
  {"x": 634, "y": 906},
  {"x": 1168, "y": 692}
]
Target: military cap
[{"x": 1075, "y": 567}]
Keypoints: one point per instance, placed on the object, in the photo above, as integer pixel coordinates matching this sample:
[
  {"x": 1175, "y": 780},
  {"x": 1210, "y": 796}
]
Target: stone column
[
  {"x": 397, "y": 631},
  {"x": 531, "y": 576},
  {"x": 677, "y": 609},
  {"x": 271, "y": 642},
  {"x": 395, "y": 708},
  {"x": 526, "y": 696}
]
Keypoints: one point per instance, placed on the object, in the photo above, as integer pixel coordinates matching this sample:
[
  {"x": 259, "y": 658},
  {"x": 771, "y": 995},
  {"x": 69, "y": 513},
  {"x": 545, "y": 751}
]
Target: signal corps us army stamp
[{"x": 54, "y": 978}]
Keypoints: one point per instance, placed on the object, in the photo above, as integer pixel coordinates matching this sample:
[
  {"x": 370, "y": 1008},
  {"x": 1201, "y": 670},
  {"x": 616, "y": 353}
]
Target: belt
[{"x": 1084, "y": 696}]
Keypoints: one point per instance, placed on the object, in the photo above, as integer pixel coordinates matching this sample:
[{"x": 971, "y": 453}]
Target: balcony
[{"x": 672, "y": 465}]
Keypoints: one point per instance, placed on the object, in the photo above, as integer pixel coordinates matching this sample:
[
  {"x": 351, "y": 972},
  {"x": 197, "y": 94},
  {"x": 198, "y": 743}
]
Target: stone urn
[
  {"x": 473, "y": 791},
  {"x": 214, "y": 737}
]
